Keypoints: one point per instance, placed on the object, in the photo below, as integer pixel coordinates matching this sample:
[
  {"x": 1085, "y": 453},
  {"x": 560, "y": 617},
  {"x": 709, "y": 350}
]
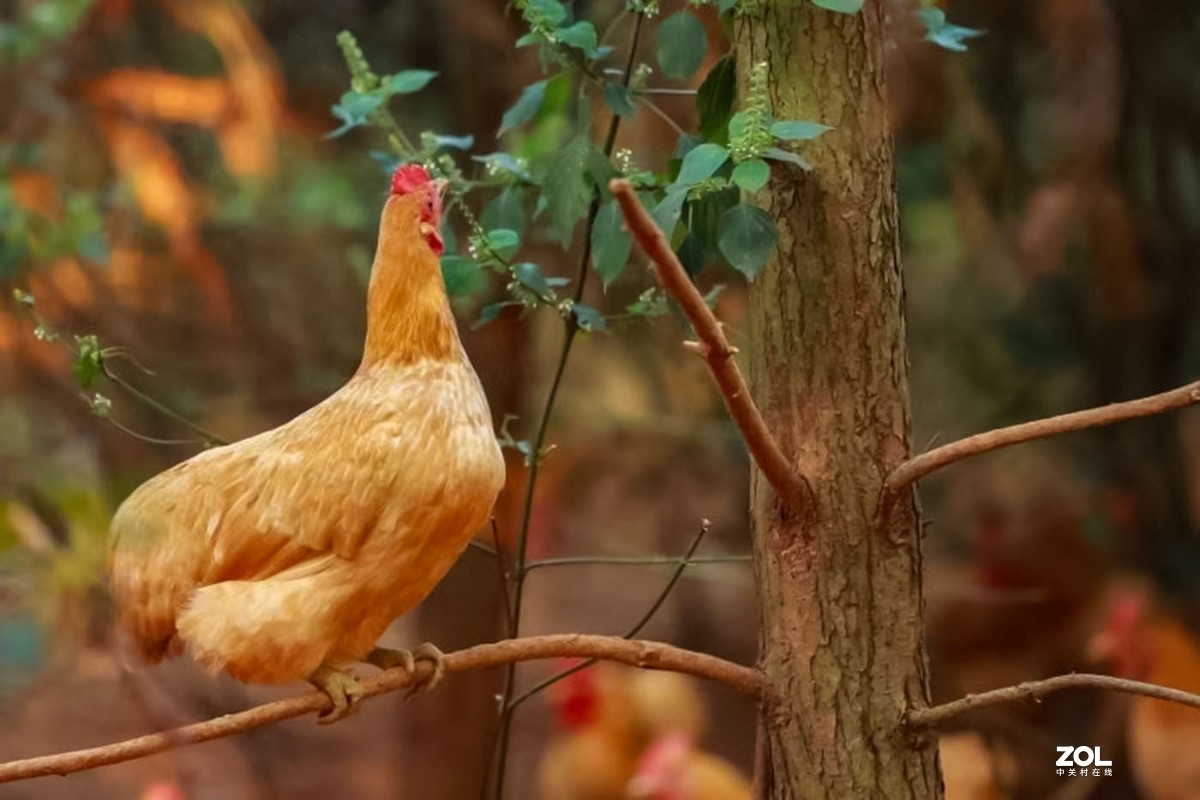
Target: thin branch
[
  {"x": 209, "y": 437},
  {"x": 633, "y": 561},
  {"x": 789, "y": 484},
  {"x": 502, "y": 570},
  {"x": 647, "y": 655},
  {"x": 663, "y": 115},
  {"x": 634, "y": 631},
  {"x": 1035, "y": 690},
  {"x": 918, "y": 467}
]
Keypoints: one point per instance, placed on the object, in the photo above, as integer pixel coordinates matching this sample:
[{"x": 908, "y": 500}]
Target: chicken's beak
[{"x": 440, "y": 185}]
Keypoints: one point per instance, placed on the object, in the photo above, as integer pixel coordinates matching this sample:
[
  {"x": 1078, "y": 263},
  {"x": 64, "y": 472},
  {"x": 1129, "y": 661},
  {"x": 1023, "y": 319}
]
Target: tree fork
[{"x": 839, "y": 585}]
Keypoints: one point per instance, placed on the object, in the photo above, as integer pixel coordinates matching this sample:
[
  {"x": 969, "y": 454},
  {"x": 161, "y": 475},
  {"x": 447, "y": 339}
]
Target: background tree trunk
[{"x": 840, "y": 589}]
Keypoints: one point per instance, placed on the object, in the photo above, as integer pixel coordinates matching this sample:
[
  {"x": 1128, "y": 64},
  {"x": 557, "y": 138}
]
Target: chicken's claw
[
  {"x": 386, "y": 658},
  {"x": 343, "y": 689}
]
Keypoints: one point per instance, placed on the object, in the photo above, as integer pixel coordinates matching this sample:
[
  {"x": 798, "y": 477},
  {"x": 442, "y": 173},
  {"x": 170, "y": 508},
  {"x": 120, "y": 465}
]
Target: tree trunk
[{"x": 840, "y": 587}]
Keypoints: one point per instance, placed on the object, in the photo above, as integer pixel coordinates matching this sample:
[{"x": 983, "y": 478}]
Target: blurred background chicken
[
  {"x": 624, "y": 732},
  {"x": 1144, "y": 642}
]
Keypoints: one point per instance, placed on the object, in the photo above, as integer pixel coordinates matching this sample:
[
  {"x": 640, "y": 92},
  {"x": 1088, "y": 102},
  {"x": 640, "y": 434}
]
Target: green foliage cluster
[{"x": 552, "y": 176}]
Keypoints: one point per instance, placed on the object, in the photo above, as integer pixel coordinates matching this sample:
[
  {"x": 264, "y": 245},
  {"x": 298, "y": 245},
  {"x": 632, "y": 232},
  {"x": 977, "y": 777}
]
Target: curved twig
[
  {"x": 918, "y": 467},
  {"x": 648, "y": 655},
  {"x": 716, "y": 349},
  {"x": 1035, "y": 690}
]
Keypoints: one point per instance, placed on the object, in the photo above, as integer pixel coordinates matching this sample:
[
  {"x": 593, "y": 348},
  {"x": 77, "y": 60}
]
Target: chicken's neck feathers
[{"x": 408, "y": 314}]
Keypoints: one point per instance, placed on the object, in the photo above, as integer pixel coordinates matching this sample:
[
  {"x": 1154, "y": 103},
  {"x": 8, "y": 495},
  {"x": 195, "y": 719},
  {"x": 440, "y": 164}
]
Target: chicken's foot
[
  {"x": 343, "y": 690},
  {"x": 387, "y": 658}
]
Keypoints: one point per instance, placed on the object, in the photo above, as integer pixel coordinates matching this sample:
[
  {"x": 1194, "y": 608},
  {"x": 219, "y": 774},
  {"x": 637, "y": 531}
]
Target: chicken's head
[
  {"x": 577, "y": 698},
  {"x": 414, "y": 178}
]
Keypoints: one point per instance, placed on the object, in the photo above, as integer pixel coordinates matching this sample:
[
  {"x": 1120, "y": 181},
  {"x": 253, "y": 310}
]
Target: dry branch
[
  {"x": 1035, "y": 690},
  {"x": 714, "y": 347},
  {"x": 919, "y": 466},
  {"x": 648, "y": 655}
]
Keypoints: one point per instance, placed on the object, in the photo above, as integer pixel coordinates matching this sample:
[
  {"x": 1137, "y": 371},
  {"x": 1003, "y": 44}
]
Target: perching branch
[
  {"x": 789, "y": 484},
  {"x": 1035, "y": 690},
  {"x": 919, "y": 466},
  {"x": 648, "y": 655}
]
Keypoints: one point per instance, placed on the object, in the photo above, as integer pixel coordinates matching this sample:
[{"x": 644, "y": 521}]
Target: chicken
[
  {"x": 1022, "y": 609},
  {"x": 673, "y": 769},
  {"x": 283, "y": 557},
  {"x": 596, "y": 754},
  {"x": 609, "y": 714},
  {"x": 1163, "y": 738}
]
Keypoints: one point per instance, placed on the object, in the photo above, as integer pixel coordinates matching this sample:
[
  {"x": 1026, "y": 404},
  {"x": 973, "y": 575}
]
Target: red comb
[{"x": 409, "y": 177}]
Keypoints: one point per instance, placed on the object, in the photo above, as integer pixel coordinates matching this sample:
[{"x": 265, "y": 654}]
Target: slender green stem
[
  {"x": 150, "y": 439},
  {"x": 681, "y": 565},
  {"x": 519, "y": 572},
  {"x": 208, "y": 437},
  {"x": 638, "y": 561}
]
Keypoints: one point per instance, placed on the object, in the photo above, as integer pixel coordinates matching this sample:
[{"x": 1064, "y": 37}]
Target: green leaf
[
  {"x": 611, "y": 243},
  {"x": 779, "y": 154},
  {"x": 505, "y": 210},
  {"x": 490, "y": 313},
  {"x": 840, "y": 6},
  {"x": 714, "y": 100},
  {"x": 581, "y": 36},
  {"x": 739, "y": 123},
  {"x": 701, "y": 162},
  {"x": 724, "y": 6},
  {"x": 751, "y": 175},
  {"x": 682, "y": 43},
  {"x": 527, "y": 105},
  {"x": 89, "y": 362},
  {"x": 746, "y": 237},
  {"x": 353, "y": 110},
  {"x": 588, "y": 318},
  {"x": 463, "y": 277},
  {"x": 943, "y": 33},
  {"x": 551, "y": 10},
  {"x": 506, "y": 162},
  {"x": 410, "y": 80},
  {"x": 704, "y": 214},
  {"x": 503, "y": 242},
  {"x": 454, "y": 142},
  {"x": 666, "y": 213},
  {"x": 619, "y": 99},
  {"x": 530, "y": 276},
  {"x": 691, "y": 254},
  {"x": 798, "y": 130},
  {"x": 566, "y": 187}
]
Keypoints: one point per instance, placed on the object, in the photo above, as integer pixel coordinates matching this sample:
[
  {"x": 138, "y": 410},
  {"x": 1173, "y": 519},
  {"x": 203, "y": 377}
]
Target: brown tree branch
[
  {"x": 1034, "y": 690},
  {"x": 791, "y": 486},
  {"x": 918, "y": 467},
  {"x": 648, "y": 655}
]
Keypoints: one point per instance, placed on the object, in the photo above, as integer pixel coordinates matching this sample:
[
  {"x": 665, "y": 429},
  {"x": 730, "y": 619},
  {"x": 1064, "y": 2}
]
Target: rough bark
[{"x": 840, "y": 586}]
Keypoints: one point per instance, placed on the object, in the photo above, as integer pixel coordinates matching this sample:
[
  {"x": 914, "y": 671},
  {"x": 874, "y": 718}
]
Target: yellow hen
[{"x": 285, "y": 556}]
